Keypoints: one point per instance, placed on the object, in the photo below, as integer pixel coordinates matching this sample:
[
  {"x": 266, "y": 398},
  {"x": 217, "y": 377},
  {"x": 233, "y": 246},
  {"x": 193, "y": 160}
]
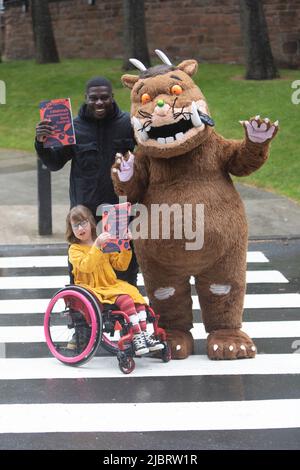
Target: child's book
[
  {"x": 115, "y": 221},
  {"x": 59, "y": 111}
]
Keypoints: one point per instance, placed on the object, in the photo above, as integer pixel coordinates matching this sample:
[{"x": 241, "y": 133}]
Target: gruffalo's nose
[{"x": 161, "y": 108}]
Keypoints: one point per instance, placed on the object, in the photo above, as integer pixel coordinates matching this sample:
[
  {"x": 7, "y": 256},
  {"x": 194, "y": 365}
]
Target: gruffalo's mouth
[
  {"x": 167, "y": 134},
  {"x": 170, "y": 133}
]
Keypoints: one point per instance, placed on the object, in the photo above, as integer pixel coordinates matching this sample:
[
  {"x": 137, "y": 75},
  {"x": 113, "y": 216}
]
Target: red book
[
  {"x": 60, "y": 114},
  {"x": 115, "y": 220}
]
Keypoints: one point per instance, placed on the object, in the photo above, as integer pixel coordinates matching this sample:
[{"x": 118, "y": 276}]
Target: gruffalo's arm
[
  {"x": 242, "y": 157},
  {"x": 130, "y": 176}
]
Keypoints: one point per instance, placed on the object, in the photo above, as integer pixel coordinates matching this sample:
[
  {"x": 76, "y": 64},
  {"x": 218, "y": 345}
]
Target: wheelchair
[{"x": 75, "y": 315}]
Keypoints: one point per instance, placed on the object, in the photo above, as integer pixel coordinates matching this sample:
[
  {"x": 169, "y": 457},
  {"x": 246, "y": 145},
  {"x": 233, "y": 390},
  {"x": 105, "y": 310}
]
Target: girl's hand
[{"x": 102, "y": 239}]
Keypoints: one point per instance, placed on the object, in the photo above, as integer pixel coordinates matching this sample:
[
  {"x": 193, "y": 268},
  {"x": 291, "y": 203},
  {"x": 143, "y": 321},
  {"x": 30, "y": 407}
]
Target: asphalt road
[{"x": 193, "y": 404}]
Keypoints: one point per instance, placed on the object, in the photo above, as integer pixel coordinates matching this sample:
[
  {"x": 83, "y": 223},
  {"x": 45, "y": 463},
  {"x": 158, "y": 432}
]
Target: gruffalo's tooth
[{"x": 195, "y": 116}]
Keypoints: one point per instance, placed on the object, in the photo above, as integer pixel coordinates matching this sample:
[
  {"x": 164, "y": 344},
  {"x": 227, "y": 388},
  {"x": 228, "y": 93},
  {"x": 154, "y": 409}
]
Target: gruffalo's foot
[
  {"x": 230, "y": 344},
  {"x": 181, "y": 343}
]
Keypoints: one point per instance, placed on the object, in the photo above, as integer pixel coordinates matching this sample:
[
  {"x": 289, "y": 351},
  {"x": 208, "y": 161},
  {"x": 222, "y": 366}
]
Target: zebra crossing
[{"x": 191, "y": 404}]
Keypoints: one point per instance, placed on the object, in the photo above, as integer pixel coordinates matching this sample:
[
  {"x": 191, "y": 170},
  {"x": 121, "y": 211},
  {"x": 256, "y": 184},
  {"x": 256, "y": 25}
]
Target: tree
[
  {"x": 45, "y": 45},
  {"x": 259, "y": 59},
  {"x": 1, "y": 28},
  {"x": 135, "y": 39}
]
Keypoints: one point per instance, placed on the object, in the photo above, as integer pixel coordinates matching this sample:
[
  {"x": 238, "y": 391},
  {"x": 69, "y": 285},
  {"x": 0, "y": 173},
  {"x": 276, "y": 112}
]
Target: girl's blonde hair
[{"x": 76, "y": 215}]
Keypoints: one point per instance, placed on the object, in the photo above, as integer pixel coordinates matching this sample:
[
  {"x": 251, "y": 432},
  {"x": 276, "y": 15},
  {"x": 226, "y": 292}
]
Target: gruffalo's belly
[{"x": 207, "y": 223}]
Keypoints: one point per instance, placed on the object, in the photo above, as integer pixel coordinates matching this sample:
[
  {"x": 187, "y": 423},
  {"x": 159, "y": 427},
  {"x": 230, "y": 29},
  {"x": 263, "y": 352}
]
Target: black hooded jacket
[{"x": 97, "y": 142}]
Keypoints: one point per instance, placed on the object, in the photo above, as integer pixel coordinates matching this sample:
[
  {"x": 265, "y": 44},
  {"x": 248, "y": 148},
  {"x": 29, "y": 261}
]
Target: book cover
[
  {"x": 59, "y": 111},
  {"x": 115, "y": 219}
]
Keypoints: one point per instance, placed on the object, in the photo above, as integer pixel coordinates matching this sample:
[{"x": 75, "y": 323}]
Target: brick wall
[{"x": 208, "y": 30}]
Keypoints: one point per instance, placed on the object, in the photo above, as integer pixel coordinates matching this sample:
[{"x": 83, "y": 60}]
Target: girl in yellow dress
[{"x": 94, "y": 270}]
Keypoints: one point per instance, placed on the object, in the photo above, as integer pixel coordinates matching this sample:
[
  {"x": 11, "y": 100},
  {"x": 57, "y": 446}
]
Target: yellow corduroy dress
[{"x": 93, "y": 270}]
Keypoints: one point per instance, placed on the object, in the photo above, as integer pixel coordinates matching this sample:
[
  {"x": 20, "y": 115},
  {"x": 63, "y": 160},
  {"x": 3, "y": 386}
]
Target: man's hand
[
  {"x": 43, "y": 130},
  {"x": 260, "y": 130},
  {"x": 123, "y": 166}
]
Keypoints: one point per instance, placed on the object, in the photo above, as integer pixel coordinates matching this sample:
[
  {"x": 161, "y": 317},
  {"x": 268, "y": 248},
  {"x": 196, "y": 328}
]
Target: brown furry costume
[{"x": 193, "y": 167}]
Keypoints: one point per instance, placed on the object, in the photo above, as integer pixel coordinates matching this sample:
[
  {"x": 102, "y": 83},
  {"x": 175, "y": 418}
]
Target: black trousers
[{"x": 131, "y": 274}]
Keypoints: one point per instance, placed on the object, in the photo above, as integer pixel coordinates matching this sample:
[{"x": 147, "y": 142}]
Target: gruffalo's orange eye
[
  {"x": 145, "y": 98},
  {"x": 176, "y": 90}
]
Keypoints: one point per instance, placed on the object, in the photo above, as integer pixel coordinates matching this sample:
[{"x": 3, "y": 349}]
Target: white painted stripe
[
  {"x": 252, "y": 277},
  {"x": 20, "y": 306},
  {"x": 264, "y": 301},
  {"x": 264, "y": 329},
  {"x": 179, "y": 416},
  {"x": 263, "y": 277},
  {"x": 32, "y": 334},
  {"x": 256, "y": 257},
  {"x": 35, "y": 334},
  {"x": 34, "y": 282},
  {"x": 101, "y": 367},
  {"x": 61, "y": 261},
  {"x": 272, "y": 301},
  {"x": 33, "y": 261},
  {"x": 56, "y": 282},
  {"x": 257, "y": 301}
]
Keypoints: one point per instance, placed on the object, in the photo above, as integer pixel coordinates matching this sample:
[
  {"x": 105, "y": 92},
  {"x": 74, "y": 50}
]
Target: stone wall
[{"x": 207, "y": 30}]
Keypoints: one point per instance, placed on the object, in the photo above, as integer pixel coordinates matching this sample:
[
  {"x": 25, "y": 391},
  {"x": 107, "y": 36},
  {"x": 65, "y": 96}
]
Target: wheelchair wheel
[
  {"x": 126, "y": 363},
  {"x": 128, "y": 366},
  {"x": 73, "y": 325}
]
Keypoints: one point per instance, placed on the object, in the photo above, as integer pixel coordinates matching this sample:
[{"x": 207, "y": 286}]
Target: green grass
[{"x": 229, "y": 97}]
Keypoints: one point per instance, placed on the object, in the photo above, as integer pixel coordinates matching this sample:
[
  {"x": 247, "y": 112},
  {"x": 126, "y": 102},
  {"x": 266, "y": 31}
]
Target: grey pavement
[{"x": 269, "y": 215}]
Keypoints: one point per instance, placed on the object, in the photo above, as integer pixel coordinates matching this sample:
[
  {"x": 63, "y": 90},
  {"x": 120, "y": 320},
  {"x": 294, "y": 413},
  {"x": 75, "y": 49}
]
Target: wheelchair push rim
[{"x": 89, "y": 312}]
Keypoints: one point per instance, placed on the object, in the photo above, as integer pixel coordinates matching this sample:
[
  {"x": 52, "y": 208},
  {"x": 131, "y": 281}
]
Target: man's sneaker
[
  {"x": 152, "y": 343},
  {"x": 139, "y": 344}
]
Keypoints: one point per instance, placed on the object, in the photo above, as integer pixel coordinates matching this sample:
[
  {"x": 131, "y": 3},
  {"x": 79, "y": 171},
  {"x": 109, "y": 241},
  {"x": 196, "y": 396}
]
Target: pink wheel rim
[{"x": 82, "y": 355}]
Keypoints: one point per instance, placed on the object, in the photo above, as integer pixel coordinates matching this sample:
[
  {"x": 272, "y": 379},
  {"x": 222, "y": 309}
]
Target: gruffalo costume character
[{"x": 180, "y": 159}]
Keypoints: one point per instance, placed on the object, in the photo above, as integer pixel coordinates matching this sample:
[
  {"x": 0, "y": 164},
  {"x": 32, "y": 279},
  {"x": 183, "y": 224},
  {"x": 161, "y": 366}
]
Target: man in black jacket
[{"x": 102, "y": 130}]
